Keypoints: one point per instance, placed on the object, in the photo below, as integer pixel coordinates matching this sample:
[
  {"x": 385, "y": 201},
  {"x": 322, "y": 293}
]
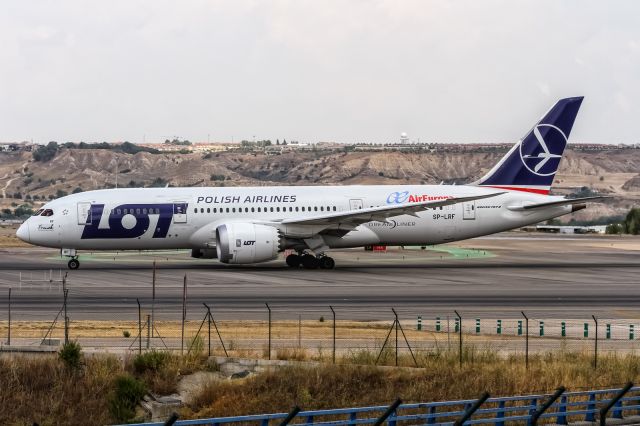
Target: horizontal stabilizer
[{"x": 565, "y": 202}]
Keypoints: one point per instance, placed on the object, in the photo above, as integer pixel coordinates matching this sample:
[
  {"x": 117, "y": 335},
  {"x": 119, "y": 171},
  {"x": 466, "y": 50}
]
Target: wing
[
  {"x": 381, "y": 213},
  {"x": 567, "y": 201}
]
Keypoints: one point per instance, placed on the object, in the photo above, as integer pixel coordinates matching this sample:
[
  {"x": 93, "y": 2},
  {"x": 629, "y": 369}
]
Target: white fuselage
[{"x": 173, "y": 218}]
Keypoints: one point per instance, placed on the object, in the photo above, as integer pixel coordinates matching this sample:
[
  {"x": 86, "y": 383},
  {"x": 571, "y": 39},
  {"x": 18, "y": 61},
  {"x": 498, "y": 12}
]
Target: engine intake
[{"x": 240, "y": 243}]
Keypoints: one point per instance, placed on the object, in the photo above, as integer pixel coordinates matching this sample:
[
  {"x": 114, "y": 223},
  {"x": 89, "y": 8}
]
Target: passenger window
[
  {"x": 252, "y": 210},
  {"x": 278, "y": 209},
  {"x": 137, "y": 211},
  {"x": 315, "y": 208},
  {"x": 208, "y": 210},
  {"x": 271, "y": 209},
  {"x": 259, "y": 209},
  {"x": 334, "y": 208},
  {"x": 296, "y": 208},
  {"x": 233, "y": 210},
  {"x": 144, "y": 211},
  {"x": 214, "y": 209},
  {"x": 290, "y": 208},
  {"x": 321, "y": 208},
  {"x": 119, "y": 211},
  {"x": 246, "y": 209},
  {"x": 47, "y": 212},
  {"x": 195, "y": 210},
  {"x": 227, "y": 209},
  {"x": 302, "y": 208}
]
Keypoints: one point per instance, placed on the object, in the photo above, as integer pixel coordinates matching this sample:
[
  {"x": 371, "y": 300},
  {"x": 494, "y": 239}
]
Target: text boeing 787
[{"x": 245, "y": 225}]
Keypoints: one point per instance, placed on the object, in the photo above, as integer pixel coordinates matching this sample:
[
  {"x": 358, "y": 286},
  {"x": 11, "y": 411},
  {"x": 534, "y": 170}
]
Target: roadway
[{"x": 548, "y": 276}]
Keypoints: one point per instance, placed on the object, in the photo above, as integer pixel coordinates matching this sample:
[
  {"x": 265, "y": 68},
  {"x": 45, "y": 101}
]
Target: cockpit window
[
  {"x": 37, "y": 213},
  {"x": 47, "y": 212}
]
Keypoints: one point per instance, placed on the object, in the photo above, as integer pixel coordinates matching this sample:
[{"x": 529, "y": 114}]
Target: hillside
[{"x": 615, "y": 172}]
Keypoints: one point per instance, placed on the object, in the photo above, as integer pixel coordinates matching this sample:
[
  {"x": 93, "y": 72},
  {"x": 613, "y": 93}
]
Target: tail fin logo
[{"x": 538, "y": 156}]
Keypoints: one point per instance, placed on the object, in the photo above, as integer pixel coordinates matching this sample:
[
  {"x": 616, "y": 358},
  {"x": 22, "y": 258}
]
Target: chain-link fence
[{"x": 352, "y": 333}]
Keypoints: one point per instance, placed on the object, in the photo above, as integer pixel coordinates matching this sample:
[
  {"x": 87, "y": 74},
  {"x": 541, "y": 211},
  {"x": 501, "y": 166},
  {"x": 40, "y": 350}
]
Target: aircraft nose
[{"x": 23, "y": 232}]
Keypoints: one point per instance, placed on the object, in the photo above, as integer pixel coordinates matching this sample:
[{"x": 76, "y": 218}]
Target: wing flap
[
  {"x": 565, "y": 202},
  {"x": 381, "y": 213}
]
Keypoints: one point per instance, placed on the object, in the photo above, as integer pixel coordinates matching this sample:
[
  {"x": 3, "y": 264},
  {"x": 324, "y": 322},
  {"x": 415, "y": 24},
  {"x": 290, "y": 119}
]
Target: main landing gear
[{"x": 309, "y": 261}]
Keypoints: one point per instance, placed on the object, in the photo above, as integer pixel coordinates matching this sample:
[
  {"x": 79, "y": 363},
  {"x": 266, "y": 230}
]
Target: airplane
[{"x": 248, "y": 225}]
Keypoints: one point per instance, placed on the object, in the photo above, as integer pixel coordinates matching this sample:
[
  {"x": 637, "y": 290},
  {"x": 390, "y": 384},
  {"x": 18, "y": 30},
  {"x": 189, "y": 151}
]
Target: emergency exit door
[
  {"x": 84, "y": 213},
  {"x": 179, "y": 212},
  {"x": 355, "y": 204},
  {"x": 469, "y": 210}
]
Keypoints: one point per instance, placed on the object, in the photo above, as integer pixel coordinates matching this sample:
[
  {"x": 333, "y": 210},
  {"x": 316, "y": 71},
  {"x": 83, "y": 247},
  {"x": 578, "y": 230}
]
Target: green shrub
[
  {"x": 128, "y": 392},
  {"x": 150, "y": 361},
  {"x": 71, "y": 354},
  {"x": 126, "y": 333}
]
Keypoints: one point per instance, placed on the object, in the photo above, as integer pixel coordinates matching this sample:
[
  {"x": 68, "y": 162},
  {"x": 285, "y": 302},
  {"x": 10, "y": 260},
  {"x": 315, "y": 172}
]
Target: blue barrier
[{"x": 572, "y": 406}]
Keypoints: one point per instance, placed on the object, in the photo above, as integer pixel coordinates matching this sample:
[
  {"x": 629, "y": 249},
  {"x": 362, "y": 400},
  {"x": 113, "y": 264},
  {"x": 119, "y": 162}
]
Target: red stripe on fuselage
[{"x": 522, "y": 189}]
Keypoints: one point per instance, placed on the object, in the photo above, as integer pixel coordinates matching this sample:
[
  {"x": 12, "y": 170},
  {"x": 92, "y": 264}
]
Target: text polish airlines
[{"x": 246, "y": 225}]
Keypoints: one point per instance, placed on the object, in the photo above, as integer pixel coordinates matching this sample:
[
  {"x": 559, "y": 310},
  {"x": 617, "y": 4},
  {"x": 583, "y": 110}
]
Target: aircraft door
[
  {"x": 180, "y": 212},
  {"x": 355, "y": 204},
  {"x": 84, "y": 213},
  {"x": 469, "y": 210}
]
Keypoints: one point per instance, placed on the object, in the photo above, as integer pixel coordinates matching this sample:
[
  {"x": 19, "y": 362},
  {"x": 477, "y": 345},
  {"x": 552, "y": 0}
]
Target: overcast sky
[{"x": 346, "y": 71}]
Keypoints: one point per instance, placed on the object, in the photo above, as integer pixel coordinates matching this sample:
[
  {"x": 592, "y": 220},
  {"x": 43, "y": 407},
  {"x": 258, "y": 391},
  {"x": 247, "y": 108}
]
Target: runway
[{"x": 547, "y": 276}]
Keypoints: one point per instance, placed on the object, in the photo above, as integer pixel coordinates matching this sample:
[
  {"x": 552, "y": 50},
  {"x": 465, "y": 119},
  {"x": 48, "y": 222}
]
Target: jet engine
[{"x": 239, "y": 242}]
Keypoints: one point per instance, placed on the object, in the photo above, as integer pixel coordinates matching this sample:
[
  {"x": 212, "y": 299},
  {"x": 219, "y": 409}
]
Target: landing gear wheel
[
  {"x": 310, "y": 262},
  {"x": 73, "y": 264},
  {"x": 293, "y": 260},
  {"x": 327, "y": 262}
]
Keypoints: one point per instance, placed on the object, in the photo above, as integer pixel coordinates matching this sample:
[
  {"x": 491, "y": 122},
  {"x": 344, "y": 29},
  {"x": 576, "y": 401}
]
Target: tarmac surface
[{"x": 548, "y": 276}]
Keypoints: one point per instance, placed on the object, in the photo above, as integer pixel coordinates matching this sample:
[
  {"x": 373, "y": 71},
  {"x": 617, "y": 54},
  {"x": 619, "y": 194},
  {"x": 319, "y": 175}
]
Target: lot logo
[
  {"x": 398, "y": 197},
  {"x": 130, "y": 220},
  {"x": 541, "y": 154}
]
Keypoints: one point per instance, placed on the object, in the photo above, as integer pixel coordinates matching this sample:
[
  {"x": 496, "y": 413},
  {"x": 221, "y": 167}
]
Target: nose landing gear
[{"x": 74, "y": 263}]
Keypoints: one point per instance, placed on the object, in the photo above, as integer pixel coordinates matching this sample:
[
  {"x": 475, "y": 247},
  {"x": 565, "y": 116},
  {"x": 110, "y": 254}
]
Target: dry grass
[
  {"x": 328, "y": 386},
  {"x": 42, "y": 390}
]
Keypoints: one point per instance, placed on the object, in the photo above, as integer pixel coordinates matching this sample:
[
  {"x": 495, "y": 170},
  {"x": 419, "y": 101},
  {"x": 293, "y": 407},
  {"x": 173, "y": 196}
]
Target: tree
[
  {"x": 631, "y": 224},
  {"x": 46, "y": 153}
]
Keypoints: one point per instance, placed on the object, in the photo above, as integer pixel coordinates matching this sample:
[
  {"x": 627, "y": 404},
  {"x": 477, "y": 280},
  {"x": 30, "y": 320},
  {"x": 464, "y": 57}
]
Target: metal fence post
[
  {"x": 184, "y": 312},
  {"x": 396, "y": 324},
  {"x": 334, "y": 333},
  {"x": 139, "y": 327},
  {"x": 148, "y": 331},
  {"x": 544, "y": 407},
  {"x": 393, "y": 407},
  {"x": 604, "y": 410},
  {"x": 469, "y": 412},
  {"x": 269, "y": 344},
  {"x": 209, "y": 329},
  {"x": 153, "y": 299},
  {"x": 460, "y": 336},
  {"x": 9, "y": 331},
  {"x": 595, "y": 349},
  {"x": 66, "y": 318},
  {"x": 526, "y": 340},
  {"x": 294, "y": 412}
]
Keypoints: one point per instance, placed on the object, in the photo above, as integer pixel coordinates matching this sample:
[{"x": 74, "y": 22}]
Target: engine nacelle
[
  {"x": 241, "y": 242},
  {"x": 204, "y": 253}
]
